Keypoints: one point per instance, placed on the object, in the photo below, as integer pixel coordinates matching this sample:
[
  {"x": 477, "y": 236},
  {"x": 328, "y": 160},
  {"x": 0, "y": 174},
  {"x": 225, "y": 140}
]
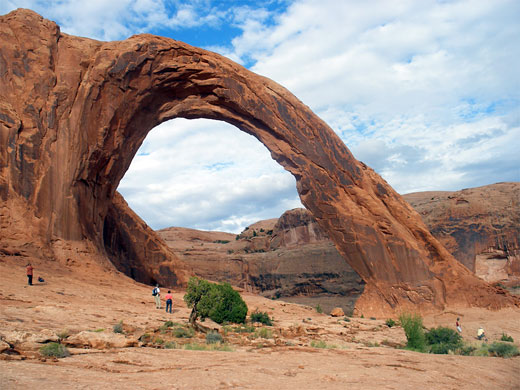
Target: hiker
[
  {"x": 157, "y": 296},
  {"x": 457, "y": 324},
  {"x": 29, "y": 273},
  {"x": 169, "y": 300},
  {"x": 480, "y": 333}
]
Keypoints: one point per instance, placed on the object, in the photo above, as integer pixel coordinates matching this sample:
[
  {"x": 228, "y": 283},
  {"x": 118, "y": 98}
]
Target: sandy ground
[{"x": 361, "y": 353}]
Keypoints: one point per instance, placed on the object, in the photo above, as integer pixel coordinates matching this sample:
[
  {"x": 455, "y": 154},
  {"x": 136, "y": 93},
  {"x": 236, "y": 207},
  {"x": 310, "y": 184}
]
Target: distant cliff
[
  {"x": 479, "y": 226},
  {"x": 290, "y": 258}
]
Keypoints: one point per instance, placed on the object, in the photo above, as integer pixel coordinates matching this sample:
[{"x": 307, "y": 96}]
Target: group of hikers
[
  {"x": 480, "y": 331},
  {"x": 156, "y": 292}
]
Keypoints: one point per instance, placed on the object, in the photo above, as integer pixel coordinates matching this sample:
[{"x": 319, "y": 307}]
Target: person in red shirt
[
  {"x": 29, "y": 273},
  {"x": 169, "y": 300}
]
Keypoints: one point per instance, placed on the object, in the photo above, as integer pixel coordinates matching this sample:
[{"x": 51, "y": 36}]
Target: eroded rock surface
[
  {"x": 74, "y": 112},
  {"x": 479, "y": 226}
]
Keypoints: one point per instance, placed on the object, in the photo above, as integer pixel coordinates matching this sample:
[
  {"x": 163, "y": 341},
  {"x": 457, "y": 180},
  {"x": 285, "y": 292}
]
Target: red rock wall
[{"x": 75, "y": 112}]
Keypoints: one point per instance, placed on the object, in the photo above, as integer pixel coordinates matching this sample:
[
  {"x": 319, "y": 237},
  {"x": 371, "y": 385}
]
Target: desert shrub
[
  {"x": 319, "y": 309},
  {"x": 217, "y": 301},
  {"x": 390, "y": 322},
  {"x": 244, "y": 329},
  {"x": 413, "y": 329},
  {"x": 506, "y": 337},
  {"x": 265, "y": 333},
  {"x": 321, "y": 344},
  {"x": 183, "y": 333},
  {"x": 207, "y": 347},
  {"x": 118, "y": 328},
  {"x": 442, "y": 340},
  {"x": 159, "y": 341},
  {"x": 213, "y": 338},
  {"x": 171, "y": 345},
  {"x": 168, "y": 324},
  {"x": 55, "y": 350},
  {"x": 261, "y": 317},
  {"x": 505, "y": 350},
  {"x": 466, "y": 350},
  {"x": 99, "y": 330}
]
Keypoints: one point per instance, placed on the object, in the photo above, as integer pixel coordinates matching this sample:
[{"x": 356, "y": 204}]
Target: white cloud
[{"x": 208, "y": 175}]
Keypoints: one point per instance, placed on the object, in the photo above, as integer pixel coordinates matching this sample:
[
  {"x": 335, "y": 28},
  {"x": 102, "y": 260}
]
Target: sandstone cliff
[
  {"x": 289, "y": 258},
  {"x": 74, "y": 112},
  {"x": 479, "y": 226}
]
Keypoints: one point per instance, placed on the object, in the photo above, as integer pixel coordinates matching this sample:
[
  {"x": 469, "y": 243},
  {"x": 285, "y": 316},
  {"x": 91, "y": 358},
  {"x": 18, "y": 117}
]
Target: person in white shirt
[{"x": 157, "y": 296}]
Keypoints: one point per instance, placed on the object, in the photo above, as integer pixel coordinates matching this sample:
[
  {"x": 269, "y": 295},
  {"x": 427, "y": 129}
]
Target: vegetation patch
[
  {"x": 322, "y": 344},
  {"x": 506, "y": 337},
  {"x": 390, "y": 322},
  {"x": 182, "y": 332},
  {"x": 261, "y": 317},
  {"x": 214, "y": 338},
  {"x": 505, "y": 350},
  {"x": 118, "y": 328},
  {"x": 54, "y": 350}
]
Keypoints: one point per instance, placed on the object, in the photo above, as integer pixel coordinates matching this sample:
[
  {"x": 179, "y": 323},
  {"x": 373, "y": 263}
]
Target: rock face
[
  {"x": 479, "y": 226},
  {"x": 290, "y": 258},
  {"x": 74, "y": 112}
]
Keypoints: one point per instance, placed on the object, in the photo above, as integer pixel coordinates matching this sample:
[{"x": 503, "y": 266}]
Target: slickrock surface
[
  {"x": 81, "y": 303},
  {"x": 74, "y": 112},
  {"x": 479, "y": 226}
]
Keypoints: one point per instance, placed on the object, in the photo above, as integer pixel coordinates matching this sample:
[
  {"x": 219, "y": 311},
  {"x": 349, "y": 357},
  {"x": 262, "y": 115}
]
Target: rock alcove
[{"x": 74, "y": 111}]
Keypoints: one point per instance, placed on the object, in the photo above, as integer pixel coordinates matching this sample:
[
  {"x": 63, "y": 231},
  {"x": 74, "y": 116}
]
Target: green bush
[
  {"x": 505, "y": 350},
  {"x": 319, "y": 309},
  {"x": 118, "y": 328},
  {"x": 261, "y": 317},
  {"x": 442, "y": 340},
  {"x": 55, "y": 350},
  {"x": 217, "y": 301},
  {"x": 213, "y": 338},
  {"x": 505, "y": 337},
  {"x": 413, "y": 329},
  {"x": 390, "y": 322}
]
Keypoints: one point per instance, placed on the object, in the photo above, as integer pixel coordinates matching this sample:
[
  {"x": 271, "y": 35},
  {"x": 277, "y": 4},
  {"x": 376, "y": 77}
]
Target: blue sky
[{"x": 425, "y": 92}]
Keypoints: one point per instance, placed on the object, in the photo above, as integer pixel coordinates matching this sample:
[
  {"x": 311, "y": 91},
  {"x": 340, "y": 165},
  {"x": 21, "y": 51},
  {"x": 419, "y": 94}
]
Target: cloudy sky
[{"x": 425, "y": 92}]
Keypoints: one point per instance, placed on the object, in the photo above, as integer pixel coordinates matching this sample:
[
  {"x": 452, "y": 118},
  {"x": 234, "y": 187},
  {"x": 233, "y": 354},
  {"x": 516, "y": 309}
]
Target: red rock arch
[{"x": 75, "y": 112}]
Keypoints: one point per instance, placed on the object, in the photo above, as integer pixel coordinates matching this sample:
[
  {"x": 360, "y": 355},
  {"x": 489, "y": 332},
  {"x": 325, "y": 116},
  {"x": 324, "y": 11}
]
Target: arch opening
[{"x": 221, "y": 179}]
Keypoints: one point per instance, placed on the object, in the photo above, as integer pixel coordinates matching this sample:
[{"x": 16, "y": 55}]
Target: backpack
[{"x": 154, "y": 291}]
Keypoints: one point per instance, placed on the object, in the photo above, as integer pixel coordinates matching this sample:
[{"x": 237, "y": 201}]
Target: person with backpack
[
  {"x": 156, "y": 292},
  {"x": 169, "y": 300}
]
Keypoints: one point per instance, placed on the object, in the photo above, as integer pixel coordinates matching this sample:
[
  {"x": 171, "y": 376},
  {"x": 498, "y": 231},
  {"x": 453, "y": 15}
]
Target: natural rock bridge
[{"x": 74, "y": 111}]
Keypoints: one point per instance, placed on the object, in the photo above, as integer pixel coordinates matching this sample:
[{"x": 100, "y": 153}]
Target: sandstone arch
[{"x": 74, "y": 112}]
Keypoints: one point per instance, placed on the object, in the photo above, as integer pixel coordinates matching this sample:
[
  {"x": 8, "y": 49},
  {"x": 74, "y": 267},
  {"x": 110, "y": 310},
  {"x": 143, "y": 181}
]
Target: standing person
[
  {"x": 457, "y": 324},
  {"x": 157, "y": 296},
  {"x": 169, "y": 300},
  {"x": 29, "y": 273}
]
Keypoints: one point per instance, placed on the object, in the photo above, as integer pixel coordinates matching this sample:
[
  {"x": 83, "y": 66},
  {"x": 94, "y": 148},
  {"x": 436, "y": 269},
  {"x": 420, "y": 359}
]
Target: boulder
[
  {"x": 100, "y": 340},
  {"x": 337, "y": 312}
]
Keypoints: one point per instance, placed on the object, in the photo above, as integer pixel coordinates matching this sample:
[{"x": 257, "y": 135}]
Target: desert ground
[{"x": 82, "y": 302}]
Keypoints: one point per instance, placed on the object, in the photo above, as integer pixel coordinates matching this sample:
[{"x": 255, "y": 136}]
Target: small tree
[
  {"x": 413, "y": 329},
  {"x": 216, "y": 301}
]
